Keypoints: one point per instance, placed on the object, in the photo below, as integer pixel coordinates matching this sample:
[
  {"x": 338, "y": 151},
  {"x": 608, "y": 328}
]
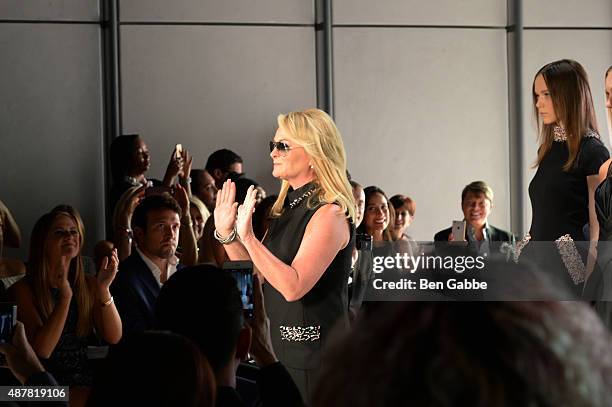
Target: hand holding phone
[
  {"x": 242, "y": 271},
  {"x": 178, "y": 151},
  {"x": 458, "y": 231}
]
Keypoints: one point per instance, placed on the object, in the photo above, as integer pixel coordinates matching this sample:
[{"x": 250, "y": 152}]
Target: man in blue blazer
[{"x": 156, "y": 223}]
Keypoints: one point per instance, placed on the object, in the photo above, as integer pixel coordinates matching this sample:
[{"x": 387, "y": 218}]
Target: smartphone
[
  {"x": 158, "y": 190},
  {"x": 458, "y": 230},
  {"x": 178, "y": 151},
  {"x": 8, "y": 319},
  {"x": 242, "y": 271}
]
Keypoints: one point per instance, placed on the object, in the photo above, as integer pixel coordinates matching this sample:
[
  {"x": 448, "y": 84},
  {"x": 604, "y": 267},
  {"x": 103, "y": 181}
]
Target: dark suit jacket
[
  {"x": 135, "y": 291},
  {"x": 495, "y": 234}
]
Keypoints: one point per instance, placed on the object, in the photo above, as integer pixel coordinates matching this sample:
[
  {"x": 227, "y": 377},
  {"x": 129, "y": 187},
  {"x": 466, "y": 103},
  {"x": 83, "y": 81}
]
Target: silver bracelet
[{"x": 226, "y": 240}]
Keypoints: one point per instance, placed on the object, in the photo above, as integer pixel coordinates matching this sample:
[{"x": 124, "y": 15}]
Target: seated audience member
[
  {"x": 157, "y": 369},
  {"x": 221, "y": 164},
  {"x": 377, "y": 216},
  {"x": 359, "y": 196},
  {"x": 130, "y": 160},
  {"x": 203, "y": 187},
  {"x": 59, "y": 305},
  {"x": 25, "y": 365},
  {"x": 199, "y": 216},
  {"x": 515, "y": 353},
  {"x": 476, "y": 204},
  {"x": 156, "y": 223},
  {"x": 261, "y": 216},
  {"x": 405, "y": 209},
  {"x": 203, "y": 303},
  {"x": 11, "y": 270}
]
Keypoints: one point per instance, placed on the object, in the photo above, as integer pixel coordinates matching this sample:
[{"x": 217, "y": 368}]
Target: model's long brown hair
[
  {"x": 568, "y": 85},
  {"x": 38, "y": 270}
]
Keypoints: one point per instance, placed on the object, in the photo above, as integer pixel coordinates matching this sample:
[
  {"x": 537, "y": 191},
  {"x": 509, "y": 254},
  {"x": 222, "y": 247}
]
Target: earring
[{"x": 311, "y": 166}]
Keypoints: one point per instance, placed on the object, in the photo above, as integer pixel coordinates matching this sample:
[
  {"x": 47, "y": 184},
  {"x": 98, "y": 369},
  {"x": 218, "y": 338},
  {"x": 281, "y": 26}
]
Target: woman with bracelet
[
  {"x": 305, "y": 257},
  {"x": 60, "y": 306}
]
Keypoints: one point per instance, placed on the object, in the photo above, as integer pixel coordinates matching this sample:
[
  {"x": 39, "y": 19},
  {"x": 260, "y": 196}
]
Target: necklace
[
  {"x": 559, "y": 133},
  {"x": 300, "y": 198}
]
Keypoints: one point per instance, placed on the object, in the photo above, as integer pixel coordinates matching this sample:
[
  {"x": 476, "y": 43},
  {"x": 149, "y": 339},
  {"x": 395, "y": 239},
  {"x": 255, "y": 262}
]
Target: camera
[
  {"x": 242, "y": 271},
  {"x": 363, "y": 242}
]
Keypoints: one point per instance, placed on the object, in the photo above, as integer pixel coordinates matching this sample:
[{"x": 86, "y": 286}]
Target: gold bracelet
[{"x": 109, "y": 302}]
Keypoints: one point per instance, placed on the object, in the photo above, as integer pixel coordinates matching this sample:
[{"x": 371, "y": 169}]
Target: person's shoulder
[
  {"x": 501, "y": 235},
  {"x": 21, "y": 288},
  {"x": 442, "y": 236}
]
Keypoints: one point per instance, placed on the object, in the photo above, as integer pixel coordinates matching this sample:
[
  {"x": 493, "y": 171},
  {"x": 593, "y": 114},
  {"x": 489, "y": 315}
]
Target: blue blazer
[{"x": 135, "y": 291}]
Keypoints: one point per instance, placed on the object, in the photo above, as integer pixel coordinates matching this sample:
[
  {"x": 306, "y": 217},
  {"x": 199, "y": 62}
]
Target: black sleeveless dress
[
  {"x": 560, "y": 207},
  {"x": 300, "y": 328}
]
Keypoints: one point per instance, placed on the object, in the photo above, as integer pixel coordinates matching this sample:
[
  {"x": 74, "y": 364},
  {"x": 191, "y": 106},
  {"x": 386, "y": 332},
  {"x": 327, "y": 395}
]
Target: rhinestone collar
[
  {"x": 296, "y": 196},
  {"x": 559, "y": 134}
]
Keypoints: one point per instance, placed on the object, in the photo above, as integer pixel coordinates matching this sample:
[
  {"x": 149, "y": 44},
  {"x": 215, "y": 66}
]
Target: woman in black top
[
  {"x": 569, "y": 157},
  {"x": 306, "y": 254}
]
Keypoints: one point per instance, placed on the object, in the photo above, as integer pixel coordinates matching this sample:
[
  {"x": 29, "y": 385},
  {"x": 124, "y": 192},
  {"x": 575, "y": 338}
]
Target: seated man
[
  {"x": 156, "y": 223},
  {"x": 203, "y": 303},
  {"x": 476, "y": 204}
]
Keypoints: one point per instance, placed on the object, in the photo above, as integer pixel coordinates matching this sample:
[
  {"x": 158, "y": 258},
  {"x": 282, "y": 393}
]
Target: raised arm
[
  {"x": 326, "y": 234},
  {"x": 10, "y": 229},
  {"x": 43, "y": 336},
  {"x": 225, "y": 221},
  {"x": 106, "y": 316}
]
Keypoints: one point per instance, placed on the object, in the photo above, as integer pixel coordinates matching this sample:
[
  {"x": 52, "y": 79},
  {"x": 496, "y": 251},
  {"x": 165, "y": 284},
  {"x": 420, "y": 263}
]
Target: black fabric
[
  {"x": 603, "y": 208},
  {"x": 135, "y": 291},
  {"x": 559, "y": 199},
  {"x": 276, "y": 387},
  {"x": 324, "y": 305},
  {"x": 228, "y": 397}
]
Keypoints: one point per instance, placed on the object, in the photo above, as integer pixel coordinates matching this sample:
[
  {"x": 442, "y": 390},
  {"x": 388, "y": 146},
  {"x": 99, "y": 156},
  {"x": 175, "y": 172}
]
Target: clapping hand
[
  {"x": 226, "y": 208},
  {"x": 244, "y": 223},
  {"x": 108, "y": 270}
]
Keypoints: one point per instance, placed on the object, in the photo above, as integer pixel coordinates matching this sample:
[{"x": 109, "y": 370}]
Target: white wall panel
[
  {"x": 51, "y": 123},
  {"x": 567, "y": 13},
  {"x": 544, "y": 46},
  {"x": 424, "y": 112},
  {"x": 419, "y": 12},
  {"x": 215, "y": 87},
  {"x": 235, "y": 11},
  {"x": 87, "y": 10}
]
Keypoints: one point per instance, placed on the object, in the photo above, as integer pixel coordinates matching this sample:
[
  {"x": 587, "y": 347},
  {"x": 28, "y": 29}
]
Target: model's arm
[
  {"x": 326, "y": 234},
  {"x": 592, "y": 183},
  {"x": 603, "y": 171}
]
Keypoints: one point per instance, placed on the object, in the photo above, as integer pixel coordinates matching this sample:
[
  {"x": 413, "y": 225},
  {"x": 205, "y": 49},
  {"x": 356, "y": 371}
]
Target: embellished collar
[
  {"x": 296, "y": 196},
  {"x": 559, "y": 133}
]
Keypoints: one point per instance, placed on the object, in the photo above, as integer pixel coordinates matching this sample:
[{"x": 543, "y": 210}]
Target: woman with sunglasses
[{"x": 305, "y": 256}]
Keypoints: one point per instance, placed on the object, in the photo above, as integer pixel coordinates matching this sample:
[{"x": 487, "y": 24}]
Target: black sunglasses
[{"x": 281, "y": 146}]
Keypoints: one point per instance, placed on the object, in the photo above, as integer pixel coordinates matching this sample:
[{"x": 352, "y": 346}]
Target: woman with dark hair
[
  {"x": 377, "y": 216},
  {"x": 130, "y": 160},
  {"x": 155, "y": 369},
  {"x": 59, "y": 305},
  {"x": 569, "y": 158}
]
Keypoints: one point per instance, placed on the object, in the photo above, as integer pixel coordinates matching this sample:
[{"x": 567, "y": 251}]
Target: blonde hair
[
  {"x": 197, "y": 202},
  {"x": 38, "y": 270},
  {"x": 316, "y": 132}
]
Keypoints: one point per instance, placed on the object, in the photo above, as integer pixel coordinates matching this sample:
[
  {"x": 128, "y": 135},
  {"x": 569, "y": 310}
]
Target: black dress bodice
[
  {"x": 299, "y": 328},
  {"x": 559, "y": 199}
]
